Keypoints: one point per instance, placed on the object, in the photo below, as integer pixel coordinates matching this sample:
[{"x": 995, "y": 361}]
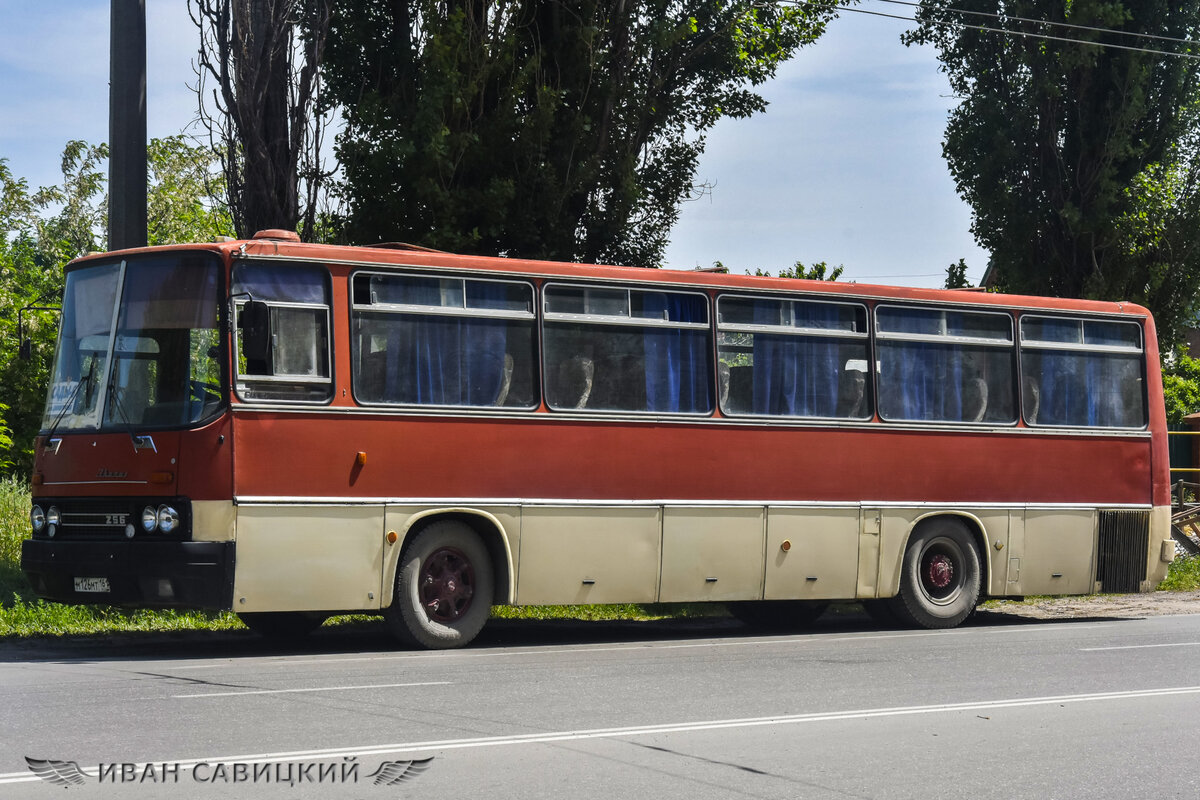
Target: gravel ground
[{"x": 1099, "y": 605}]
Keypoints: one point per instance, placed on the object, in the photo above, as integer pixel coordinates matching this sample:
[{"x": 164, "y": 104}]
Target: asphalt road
[{"x": 1005, "y": 708}]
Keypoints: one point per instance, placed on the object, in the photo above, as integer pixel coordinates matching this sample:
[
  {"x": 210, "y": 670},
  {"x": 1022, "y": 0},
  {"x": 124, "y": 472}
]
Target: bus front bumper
[{"x": 146, "y": 574}]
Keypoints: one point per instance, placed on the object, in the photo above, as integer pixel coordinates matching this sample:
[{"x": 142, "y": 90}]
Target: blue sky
[{"x": 845, "y": 166}]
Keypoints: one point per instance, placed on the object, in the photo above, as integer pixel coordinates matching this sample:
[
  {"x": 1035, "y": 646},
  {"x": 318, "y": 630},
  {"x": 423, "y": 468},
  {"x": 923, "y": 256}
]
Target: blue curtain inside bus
[
  {"x": 1099, "y": 390},
  {"x": 442, "y": 360},
  {"x": 677, "y": 375},
  {"x": 281, "y": 283},
  {"x": 796, "y": 376},
  {"x": 919, "y": 380}
]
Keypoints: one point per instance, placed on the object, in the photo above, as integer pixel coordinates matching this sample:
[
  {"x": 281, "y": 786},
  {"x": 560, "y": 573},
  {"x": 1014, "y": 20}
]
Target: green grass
[
  {"x": 22, "y": 614},
  {"x": 626, "y": 611},
  {"x": 1182, "y": 576},
  {"x": 14, "y": 528},
  {"x": 40, "y": 618}
]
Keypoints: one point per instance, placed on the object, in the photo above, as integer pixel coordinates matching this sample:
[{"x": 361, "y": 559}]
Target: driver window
[{"x": 293, "y": 363}]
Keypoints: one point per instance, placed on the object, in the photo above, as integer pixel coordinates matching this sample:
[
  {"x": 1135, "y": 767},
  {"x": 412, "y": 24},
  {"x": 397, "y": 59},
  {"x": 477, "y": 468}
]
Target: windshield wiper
[{"x": 119, "y": 406}]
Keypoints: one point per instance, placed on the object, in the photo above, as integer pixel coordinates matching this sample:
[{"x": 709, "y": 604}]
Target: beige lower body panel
[
  {"x": 213, "y": 520},
  {"x": 581, "y": 554},
  {"x": 337, "y": 557},
  {"x": 1161, "y": 550},
  {"x": 711, "y": 554},
  {"x": 308, "y": 558},
  {"x": 812, "y": 553}
]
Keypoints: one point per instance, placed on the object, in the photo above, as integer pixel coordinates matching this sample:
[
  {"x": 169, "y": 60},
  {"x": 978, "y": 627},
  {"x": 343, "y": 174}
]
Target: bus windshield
[{"x": 139, "y": 346}]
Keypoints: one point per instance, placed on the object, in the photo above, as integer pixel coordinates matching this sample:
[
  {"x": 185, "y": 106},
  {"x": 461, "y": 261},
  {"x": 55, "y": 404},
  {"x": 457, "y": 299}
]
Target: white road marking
[
  {"x": 318, "y": 689},
  {"x": 646, "y": 730},
  {"x": 1139, "y": 646}
]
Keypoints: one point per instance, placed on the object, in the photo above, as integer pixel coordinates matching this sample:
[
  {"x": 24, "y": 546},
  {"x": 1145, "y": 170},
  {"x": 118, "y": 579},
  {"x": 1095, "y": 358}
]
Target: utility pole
[{"x": 127, "y": 125}]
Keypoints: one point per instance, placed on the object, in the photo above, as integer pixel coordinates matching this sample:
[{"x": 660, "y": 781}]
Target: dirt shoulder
[{"x": 1100, "y": 605}]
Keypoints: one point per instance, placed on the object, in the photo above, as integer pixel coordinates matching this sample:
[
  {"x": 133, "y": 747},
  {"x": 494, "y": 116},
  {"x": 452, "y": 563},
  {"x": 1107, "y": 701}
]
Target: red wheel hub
[
  {"x": 447, "y": 585},
  {"x": 940, "y": 571}
]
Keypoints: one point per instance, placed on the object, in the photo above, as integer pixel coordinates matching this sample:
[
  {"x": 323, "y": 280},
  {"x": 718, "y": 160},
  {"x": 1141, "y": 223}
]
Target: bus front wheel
[
  {"x": 941, "y": 576},
  {"x": 443, "y": 593}
]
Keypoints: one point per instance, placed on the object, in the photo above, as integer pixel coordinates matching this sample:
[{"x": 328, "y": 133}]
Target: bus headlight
[
  {"x": 37, "y": 518},
  {"x": 52, "y": 520},
  {"x": 149, "y": 519},
  {"x": 168, "y": 519}
]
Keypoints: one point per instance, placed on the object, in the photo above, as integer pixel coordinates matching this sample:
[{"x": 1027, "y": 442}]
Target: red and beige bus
[{"x": 294, "y": 430}]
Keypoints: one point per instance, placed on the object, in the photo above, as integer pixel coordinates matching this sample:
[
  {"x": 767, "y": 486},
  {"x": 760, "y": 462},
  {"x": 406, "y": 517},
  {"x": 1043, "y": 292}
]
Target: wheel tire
[
  {"x": 443, "y": 593},
  {"x": 941, "y": 576},
  {"x": 778, "y": 615},
  {"x": 283, "y": 625}
]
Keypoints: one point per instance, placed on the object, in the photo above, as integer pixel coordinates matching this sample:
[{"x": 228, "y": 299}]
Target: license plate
[{"x": 92, "y": 585}]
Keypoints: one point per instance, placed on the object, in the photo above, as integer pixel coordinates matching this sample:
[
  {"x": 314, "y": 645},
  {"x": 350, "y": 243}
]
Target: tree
[
  {"x": 819, "y": 271},
  {"x": 956, "y": 276},
  {"x": 263, "y": 57},
  {"x": 1080, "y": 161},
  {"x": 566, "y": 130},
  {"x": 1181, "y": 386},
  {"x": 40, "y": 231},
  {"x": 185, "y": 200}
]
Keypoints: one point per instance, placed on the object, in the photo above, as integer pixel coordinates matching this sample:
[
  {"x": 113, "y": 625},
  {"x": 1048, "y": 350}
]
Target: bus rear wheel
[
  {"x": 282, "y": 625},
  {"x": 941, "y": 577},
  {"x": 443, "y": 592},
  {"x": 778, "y": 615}
]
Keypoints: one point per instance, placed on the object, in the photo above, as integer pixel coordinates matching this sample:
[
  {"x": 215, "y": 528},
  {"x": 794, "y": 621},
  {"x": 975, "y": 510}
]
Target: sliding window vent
[{"x": 1124, "y": 542}]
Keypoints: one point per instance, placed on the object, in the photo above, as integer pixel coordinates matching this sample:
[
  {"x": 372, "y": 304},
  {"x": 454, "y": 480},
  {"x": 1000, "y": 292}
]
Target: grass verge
[{"x": 1182, "y": 576}]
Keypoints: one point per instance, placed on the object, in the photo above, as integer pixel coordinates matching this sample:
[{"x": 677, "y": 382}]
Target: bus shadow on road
[{"x": 367, "y": 637}]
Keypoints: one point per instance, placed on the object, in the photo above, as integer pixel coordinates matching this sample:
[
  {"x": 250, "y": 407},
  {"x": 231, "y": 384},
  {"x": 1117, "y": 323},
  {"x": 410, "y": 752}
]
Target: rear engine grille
[{"x": 1124, "y": 541}]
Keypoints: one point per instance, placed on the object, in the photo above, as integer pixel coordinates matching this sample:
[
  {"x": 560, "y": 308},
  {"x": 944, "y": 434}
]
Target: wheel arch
[
  {"x": 973, "y": 525},
  {"x": 489, "y": 529}
]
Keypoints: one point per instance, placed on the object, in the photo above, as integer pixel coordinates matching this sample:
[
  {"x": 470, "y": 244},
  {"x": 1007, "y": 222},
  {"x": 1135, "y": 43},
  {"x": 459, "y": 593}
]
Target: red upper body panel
[{"x": 305, "y": 453}]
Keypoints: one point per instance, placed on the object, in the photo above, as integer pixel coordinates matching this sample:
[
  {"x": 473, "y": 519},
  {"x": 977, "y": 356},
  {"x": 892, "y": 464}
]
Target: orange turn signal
[
  {"x": 392, "y": 537},
  {"x": 38, "y": 479},
  {"x": 361, "y": 458},
  {"x": 164, "y": 476}
]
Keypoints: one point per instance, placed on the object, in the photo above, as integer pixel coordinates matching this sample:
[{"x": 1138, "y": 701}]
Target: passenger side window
[
  {"x": 437, "y": 341},
  {"x": 627, "y": 350},
  {"x": 940, "y": 365},
  {"x": 283, "y": 323},
  {"x": 1081, "y": 372},
  {"x": 792, "y": 358}
]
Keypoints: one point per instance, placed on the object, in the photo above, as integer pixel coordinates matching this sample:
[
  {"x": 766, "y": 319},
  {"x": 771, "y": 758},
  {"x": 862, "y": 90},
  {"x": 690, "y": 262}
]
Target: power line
[
  {"x": 1070, "y": 25},
  {"x": 907, "y": 275},
  {"x": 986, "y": 29}
]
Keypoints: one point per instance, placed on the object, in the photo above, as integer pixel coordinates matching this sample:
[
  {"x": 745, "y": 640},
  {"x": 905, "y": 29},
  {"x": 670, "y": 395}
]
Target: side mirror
[
  {"x": 255, "y": 323},
  {"x": 25, "y": 351}
]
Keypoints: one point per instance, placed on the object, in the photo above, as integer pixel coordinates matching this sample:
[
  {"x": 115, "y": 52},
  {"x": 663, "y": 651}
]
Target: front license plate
[{"x": 92, "y": 585}]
